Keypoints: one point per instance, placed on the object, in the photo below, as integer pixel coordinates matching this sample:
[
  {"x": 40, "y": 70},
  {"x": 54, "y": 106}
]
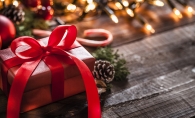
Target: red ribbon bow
[{"x": 35, "y": 54}]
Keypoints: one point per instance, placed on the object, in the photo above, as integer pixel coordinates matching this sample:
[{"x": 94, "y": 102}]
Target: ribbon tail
[
  {"x": 57, "y": 80},
  {"x": 94, "y": 110},
  {"x": 5, "y": 84},
  {"x": 18, "y": 86},
  {"x": 4, "y": 71}
]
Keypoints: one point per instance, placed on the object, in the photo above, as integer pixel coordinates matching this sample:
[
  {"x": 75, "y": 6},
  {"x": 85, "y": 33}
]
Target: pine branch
[
  {"x": 106, "y": 53},
  {"x": 30, "y": 22}
]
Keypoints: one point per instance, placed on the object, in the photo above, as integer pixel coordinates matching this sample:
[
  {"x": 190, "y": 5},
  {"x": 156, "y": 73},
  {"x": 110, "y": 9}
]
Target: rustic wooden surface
[{"x": 162, "y": 79}]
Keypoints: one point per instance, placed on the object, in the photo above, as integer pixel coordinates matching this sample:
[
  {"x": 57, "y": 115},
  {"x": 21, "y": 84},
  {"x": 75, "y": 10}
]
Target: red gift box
[{"x": 39, "y": 88}]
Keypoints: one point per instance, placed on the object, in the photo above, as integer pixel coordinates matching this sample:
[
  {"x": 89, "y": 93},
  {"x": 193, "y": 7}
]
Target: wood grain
[
  {"x": 162, "y": 66},
  {"x": 162, "y": 79}
]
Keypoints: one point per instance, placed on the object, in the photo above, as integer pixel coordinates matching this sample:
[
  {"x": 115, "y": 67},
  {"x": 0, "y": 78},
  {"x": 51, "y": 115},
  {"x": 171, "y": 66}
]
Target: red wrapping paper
[
  {"x": 34, "y": 77},
  {"x": 42, "y": 75},
  {"x": 42, "y": 96},
  {"x": 37, "y": 92}
]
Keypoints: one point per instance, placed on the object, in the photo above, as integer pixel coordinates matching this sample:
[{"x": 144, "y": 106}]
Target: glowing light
[
  {"x": 89, "y": 1},
  {"x": 90, "y": 6},
  {"x": 118, "y": 5},
  {"x": 139, "y": 0},
  {"x": 157, "y": 3},
  {"x": 177, "y": 13},
  {"x": 15, "y": 3},
  {"x": 2, "y": 0},
  {"x": 39, "y": 6},
  {"x": 71, "y": 7},
  {"x": 190, "y": 9},
  {"x": 149, "y": 28},
  {"x": 114, "y": 18},
  {"x": 130, "y": 12},
  {"x": 125, "y": 3}
]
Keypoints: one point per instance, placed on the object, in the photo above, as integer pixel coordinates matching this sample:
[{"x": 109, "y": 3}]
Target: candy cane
[{"x": 87, "y": 33}]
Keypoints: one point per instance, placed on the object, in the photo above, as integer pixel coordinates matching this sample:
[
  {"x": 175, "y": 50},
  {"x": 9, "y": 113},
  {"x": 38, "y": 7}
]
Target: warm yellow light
[
  {"x": 125, "y": 3},
  {"x": 39, "y": 6},
  {"x": 130, "y": 12},
  {"x": 177, "y": 13},
  {"x": 114, "y": 18},
  {"x": 190, "y": 9},
  {"x": 90, "y": 7},
  {"x": 2, "y": 0},
  {"x": 118, "y": 5},
  {"x": 149, "y": 28},
  {"x": 71, "y": 7},
  {"x": 139, "y": 0},
  {"x": 89, "y": 1},
  {"x": 15, "y": 3},
  {"x": 157, "y": 3}
]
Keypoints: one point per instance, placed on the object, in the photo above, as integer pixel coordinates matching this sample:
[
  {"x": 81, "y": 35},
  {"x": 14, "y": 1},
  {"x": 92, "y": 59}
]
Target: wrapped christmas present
[{"x": 35, "y": 73}]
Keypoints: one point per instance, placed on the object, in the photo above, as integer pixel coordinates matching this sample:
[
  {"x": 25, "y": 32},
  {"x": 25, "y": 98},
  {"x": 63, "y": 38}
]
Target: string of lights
[{"x": 130, "y": 7}]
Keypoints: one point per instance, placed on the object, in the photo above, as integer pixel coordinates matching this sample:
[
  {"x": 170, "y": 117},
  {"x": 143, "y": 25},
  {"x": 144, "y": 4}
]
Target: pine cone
[
  {"x": 104, "y": 71},
  {"x": 14, "y": 13}
]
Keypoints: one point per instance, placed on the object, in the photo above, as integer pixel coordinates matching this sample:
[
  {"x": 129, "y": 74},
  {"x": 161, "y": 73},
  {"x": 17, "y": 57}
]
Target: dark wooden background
[{"x": 162, "y": 66}]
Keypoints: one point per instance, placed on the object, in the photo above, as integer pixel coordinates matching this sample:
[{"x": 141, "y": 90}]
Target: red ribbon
[{"x": 32, "y": 57}]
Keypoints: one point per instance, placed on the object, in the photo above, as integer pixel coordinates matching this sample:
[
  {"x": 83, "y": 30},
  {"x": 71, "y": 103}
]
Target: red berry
[{"x": 45, "y": 12}]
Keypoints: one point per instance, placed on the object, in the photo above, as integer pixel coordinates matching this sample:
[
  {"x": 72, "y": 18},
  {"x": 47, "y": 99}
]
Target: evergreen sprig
[
  {"x": 107, "y": 53},
  {"x": 30, "y": 22}
]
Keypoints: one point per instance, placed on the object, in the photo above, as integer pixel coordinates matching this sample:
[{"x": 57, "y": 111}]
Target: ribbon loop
[
  {"x": 58, "y": 34},
  {"x": 64, "y": 34},
  {"x": 31, "y": 47}
]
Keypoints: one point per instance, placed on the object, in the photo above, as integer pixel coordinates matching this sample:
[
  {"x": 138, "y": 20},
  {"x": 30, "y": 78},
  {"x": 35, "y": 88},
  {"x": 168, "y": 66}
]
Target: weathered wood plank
[
  {"x": 171, "y": 104},
  {"x": 171, "y": 93}
]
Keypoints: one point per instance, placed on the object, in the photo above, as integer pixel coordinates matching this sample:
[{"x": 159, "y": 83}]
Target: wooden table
[{"x": 162, "y": 79}]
